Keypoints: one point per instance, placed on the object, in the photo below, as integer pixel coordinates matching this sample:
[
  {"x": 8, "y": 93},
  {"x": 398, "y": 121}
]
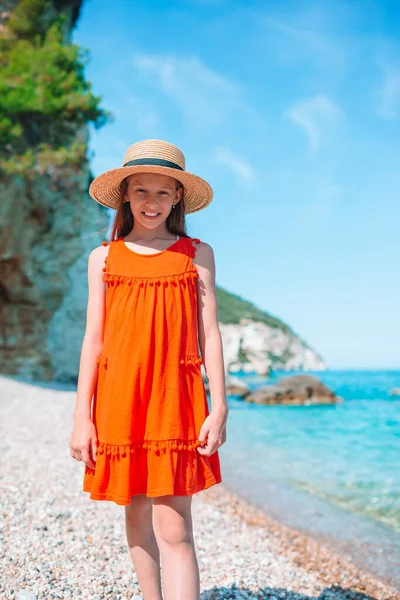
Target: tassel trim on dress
[
  {"x": 122, "y": 451},
  {"x": 102, "y": 360},
  {"x": 191, "y": 360},
  {"x": 105, "y": 260},
  {"x": 164, "y": 280},
  {"x": 193, "y": 248},
  {"x": 188, "y": 360},
  {"x": 105, "y": 265}
]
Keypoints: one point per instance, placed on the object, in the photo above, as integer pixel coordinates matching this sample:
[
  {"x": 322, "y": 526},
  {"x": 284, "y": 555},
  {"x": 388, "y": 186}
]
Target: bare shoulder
[
  {"x": 205, "y": 264},
  {"x": 97, "y": 255},
  {"x": 204, "y": 255}
]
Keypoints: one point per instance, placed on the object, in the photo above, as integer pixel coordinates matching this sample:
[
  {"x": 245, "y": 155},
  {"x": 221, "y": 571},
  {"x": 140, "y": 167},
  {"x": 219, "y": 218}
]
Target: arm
[
  {"x": 83, "y": 441},
  {"x": 93, "y": 339},
  {"x": 210, "y": 342}
]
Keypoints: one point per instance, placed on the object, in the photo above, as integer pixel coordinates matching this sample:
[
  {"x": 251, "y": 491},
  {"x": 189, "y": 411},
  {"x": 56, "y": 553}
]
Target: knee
[
  {"x": 173, "y": 531},
  {"x": 139, "y": 510}
]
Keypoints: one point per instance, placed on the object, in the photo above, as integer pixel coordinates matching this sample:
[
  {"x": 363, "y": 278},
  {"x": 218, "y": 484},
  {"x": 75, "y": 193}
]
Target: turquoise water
[{"x": 348, "y": 454}]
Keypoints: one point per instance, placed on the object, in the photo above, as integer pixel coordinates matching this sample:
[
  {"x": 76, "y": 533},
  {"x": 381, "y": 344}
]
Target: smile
[{"x": 150, "y": 215}]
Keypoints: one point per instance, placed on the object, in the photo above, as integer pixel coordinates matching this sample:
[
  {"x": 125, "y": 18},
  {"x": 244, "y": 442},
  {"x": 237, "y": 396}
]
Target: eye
[
  {"x": 164, "y": 192},
  {"x": 140, "y": 190}
]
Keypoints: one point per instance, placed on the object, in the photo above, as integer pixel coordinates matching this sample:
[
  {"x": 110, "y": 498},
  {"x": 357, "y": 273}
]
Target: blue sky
[{"x": 291, "y": 110}]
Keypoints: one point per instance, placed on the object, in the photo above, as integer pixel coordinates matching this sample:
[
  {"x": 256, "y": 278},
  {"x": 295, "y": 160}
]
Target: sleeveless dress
[{"x": 149, "y": 401}]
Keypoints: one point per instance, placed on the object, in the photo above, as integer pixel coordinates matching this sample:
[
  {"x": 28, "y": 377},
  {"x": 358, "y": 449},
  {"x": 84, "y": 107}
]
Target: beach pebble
[
  {"x": 57, "y": 543},
  {"x": 26, "y": 595}
]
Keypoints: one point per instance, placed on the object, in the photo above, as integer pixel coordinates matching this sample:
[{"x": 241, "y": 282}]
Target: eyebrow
[{"x": 166, "y": 187}]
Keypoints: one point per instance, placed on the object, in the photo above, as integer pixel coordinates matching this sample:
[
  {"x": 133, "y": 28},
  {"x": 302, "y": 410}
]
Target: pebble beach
[{"x": 57, "y": 543}]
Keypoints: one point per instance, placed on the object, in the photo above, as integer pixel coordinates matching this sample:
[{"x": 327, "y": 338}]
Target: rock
[
  {"x": 254, "y": 346},
  {"x": 26, "y": 595},
  {"x": 235, "y": 387},
  {"x": 395, "y": 391},
  {"x": 44, "y": 275},
  {"x": 48, "y": 226},
  {"x": 294, "y": 390}
]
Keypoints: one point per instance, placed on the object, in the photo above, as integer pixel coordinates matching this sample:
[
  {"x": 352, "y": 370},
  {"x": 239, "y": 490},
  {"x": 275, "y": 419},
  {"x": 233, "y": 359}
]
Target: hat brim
[{"x": 106, "y": 187}]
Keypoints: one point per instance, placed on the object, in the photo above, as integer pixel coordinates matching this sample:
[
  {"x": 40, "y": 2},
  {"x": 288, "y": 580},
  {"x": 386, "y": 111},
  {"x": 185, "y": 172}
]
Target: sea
[{"x": 332, "y": 471}]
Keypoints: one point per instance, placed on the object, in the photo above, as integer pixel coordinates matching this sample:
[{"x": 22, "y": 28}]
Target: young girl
[{"x": 149, "y": 442}]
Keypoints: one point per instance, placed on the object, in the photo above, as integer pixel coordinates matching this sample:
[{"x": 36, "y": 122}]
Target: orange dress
[{"x": 149, "y": 401}]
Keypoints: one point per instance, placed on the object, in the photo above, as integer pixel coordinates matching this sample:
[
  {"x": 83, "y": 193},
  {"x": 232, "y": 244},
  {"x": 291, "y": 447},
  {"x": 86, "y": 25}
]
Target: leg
[
  {"x": 143, "y": 546},
  {"x": 173, "y": 528}
]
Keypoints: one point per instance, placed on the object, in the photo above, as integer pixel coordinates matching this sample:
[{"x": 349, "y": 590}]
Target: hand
[
  {"x": 83, "y": 442},
  {"x": 215, "y": 427}
]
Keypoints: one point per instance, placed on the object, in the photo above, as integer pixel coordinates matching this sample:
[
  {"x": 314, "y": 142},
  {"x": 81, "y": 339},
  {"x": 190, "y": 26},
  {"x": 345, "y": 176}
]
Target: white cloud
[
  {"x": 311, "y": 33},
  {"x": 316, "y": 117},
  {"x": 240, "y": 168},
  {"x": 200, "y": 92},
  {"x": 296, "y": 43},
  {"x": 390, "y": 93}
]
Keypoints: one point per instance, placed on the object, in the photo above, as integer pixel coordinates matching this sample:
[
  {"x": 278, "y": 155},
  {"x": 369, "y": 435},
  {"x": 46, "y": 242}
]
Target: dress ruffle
[{"x": 137, "y": 468}]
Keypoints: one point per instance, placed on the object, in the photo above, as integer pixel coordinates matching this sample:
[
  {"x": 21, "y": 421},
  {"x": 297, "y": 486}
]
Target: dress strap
[
  {"x": 193, "y": 247},
  {"x": 105, "y": 268}
]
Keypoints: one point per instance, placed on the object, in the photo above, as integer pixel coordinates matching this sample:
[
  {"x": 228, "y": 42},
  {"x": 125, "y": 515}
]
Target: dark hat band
[{"x": 153, "y": 162}]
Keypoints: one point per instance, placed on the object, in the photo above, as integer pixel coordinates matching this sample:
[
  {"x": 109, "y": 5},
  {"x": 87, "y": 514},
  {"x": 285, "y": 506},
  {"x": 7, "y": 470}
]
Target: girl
[{"x": 149, "y": 442}]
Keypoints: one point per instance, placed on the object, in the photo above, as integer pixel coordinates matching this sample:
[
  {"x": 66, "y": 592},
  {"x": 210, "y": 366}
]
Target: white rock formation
[{"x": 255, "y": 346}]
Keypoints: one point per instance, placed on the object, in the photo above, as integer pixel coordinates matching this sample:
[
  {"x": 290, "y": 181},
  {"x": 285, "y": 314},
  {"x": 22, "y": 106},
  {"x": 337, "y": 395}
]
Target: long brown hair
[{"x": 123, "y": 220}]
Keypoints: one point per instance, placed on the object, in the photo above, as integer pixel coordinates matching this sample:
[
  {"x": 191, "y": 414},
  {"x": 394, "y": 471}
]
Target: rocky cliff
[
  {"x": 48, "y": 223},
  {"x": 255, "y": 341}
]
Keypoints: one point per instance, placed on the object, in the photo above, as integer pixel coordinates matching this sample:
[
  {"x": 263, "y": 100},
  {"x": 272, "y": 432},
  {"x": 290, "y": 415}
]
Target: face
[{"x": 153, "y": 194}]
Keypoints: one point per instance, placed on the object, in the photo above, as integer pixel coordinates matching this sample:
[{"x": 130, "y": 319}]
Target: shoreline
[
  {"x": 318, "y": 555},
  {"x": 371, "y": 545},
  {"x": 57, "y": 541}
]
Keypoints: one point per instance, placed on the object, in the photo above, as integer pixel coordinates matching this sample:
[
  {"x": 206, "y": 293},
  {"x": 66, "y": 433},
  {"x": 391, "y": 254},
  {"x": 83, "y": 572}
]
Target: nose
[
  {"x": 151, "y": 205},
  {"x": 151, "y": 199}
]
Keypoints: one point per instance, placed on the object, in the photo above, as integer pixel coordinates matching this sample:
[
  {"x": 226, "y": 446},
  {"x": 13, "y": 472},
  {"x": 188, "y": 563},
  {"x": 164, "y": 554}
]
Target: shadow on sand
[{"x": 270, "y": 593}]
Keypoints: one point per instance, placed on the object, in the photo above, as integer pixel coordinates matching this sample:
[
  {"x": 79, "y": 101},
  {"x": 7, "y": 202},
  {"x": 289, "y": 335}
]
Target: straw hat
[{"x": 152, "y": 156}]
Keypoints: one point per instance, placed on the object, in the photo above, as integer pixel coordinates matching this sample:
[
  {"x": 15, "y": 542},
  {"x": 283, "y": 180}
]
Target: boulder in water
[
  {"x": 395, "y": 391},
  {"x": 294, "y": 390},
  {"x": 235, "y": 387}
]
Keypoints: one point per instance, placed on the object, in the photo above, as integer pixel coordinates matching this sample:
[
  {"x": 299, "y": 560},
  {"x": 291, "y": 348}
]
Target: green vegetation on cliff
[
  {"x": 45, "y": 100},
  {"x": 232, "y": 308}
]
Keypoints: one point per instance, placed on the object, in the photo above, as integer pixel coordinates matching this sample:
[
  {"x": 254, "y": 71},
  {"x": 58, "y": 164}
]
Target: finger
[
  {"x": 76, "y": 454},
  {"x": 203, "y": 433},
  {"x": 202, "y": 442},
  {"x": 203, "y": 445},
  {"x": 204, "y": 449},
  {"x": 94, "y": 449},
  {"x": 209, "y": 449},
  {"x": 87, "y": 458}
]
